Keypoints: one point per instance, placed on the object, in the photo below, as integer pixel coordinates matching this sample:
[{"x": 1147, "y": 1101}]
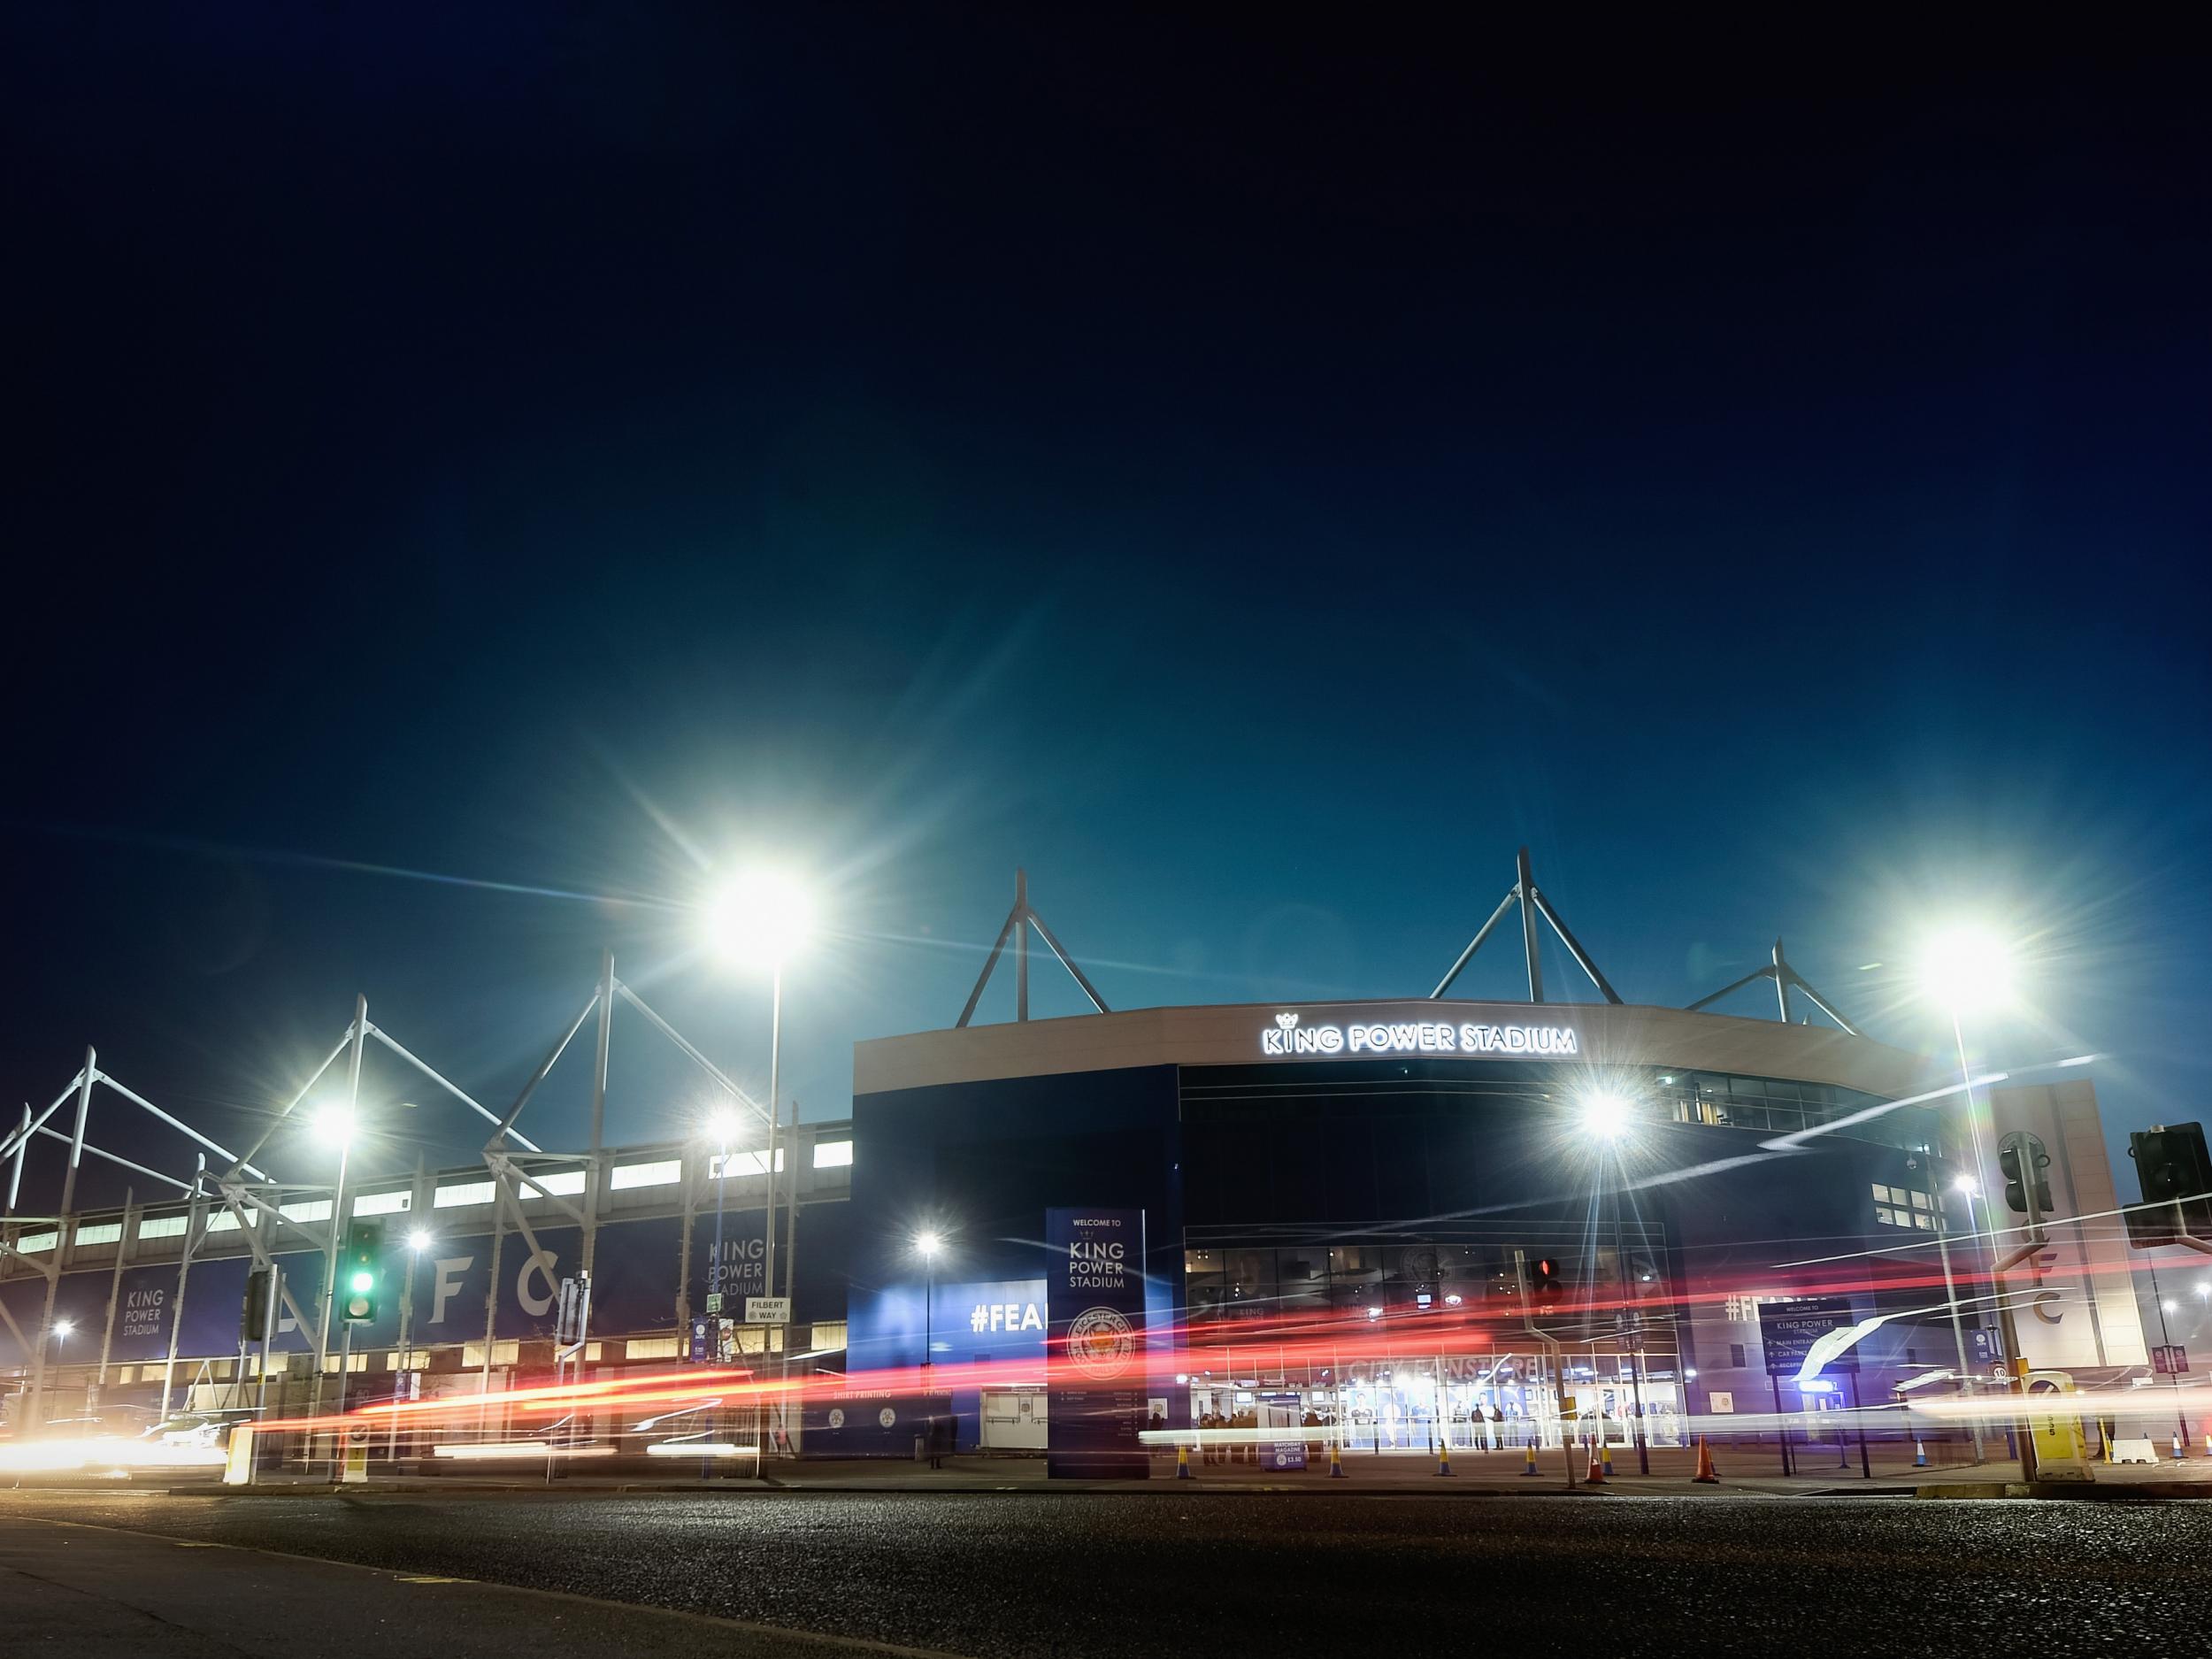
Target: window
[
  {"x": 650, "y": 1347},
  {"x": 830, "y": 1336},
  {"x": 663, "y": 1174},
  {"x": 102, "y": 1232},
  {"x": 226, "y": 1220},
  {"x": 308, "y": 1209},
  {"x": 740, "y": 1163},
  {"x": 560, "y": 1184},
  {"x": 33, "y": 1242},
  {"x": 1920, "y": 1201},
  {"x": 162, "y": 1226},
  {"x": 1926, "y": 1223},
  {"x": 468, "y": 1193},
  {"x": 381, "y": 1204},
  {"x": 1735, "y": 1356},
  {"x": 502, "y": 1353},
  {"x": 832, "y": 1154}
]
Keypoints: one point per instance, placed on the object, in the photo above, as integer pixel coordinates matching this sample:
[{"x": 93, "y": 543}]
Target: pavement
[
  {"x": 1084, "y": 1576},
  {"x": 1748, "y": 1470}
]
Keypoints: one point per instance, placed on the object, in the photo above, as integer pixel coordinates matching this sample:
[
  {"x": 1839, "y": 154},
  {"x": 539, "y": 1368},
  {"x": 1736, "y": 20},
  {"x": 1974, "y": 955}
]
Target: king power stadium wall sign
[{"x": 1290, "y": 1036}]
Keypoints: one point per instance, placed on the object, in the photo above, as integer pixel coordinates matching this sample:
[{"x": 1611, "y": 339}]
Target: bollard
[{"x": 1182, "y": 1463}]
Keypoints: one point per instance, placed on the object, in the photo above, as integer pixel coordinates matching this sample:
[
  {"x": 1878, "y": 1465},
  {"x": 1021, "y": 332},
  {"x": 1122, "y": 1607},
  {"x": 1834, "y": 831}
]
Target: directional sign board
[
  {"x": 1787, "y": 1331},
  {"x": 767, "y": 1310}
]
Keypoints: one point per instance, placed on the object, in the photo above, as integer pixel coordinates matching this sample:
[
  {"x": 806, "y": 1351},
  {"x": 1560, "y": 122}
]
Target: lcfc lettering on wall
[{"x": 1288, "y": 1036}]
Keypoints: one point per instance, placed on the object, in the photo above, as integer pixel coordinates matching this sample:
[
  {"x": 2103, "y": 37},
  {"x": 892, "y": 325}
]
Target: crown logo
[{"x": 1286, "y": 1021}]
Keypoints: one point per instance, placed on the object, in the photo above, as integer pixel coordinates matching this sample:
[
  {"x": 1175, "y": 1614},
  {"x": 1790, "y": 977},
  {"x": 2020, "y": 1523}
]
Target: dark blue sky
[{"x": 1255, "y": 481}]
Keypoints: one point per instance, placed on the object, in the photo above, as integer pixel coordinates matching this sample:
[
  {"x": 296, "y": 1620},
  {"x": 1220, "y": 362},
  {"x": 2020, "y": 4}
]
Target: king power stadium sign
[{"x": 1291, "y": 1035}]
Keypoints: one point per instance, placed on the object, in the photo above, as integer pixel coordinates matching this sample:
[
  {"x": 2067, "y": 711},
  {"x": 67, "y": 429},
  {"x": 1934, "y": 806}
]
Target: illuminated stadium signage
[{"x": 1288, "y": 1036}]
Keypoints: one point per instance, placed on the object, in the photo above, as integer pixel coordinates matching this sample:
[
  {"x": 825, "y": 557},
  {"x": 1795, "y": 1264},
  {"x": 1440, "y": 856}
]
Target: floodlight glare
[
  {"x": 333, "y": 1125},
  {"x": 64, "y": 1327},
  {"x": 763, "y": 916},
  {"x": 1966, "y": 969},
  {"x": 1606, "y": 1115},
  {"x": 1967, "y": 1184},
  {"x": 927, "y": 1244},
  {"x": 418, "y": 1239}
]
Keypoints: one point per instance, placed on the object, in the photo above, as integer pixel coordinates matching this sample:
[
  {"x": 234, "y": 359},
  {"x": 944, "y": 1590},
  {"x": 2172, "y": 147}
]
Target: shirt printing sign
[{"x": 1291, "y": 1034}]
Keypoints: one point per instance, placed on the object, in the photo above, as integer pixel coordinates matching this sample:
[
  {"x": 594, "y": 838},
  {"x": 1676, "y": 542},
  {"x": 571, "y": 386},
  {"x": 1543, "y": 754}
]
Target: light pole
[
  {"x": 927, "y": 1244},
  {"x": 1964, "y": 1187},
  {"x": 1608, "y": 1117},
  {"x": 1964, "y": 971},
  {"x": 334, "y": 1125},
  {"x": 764, "y": 916}
]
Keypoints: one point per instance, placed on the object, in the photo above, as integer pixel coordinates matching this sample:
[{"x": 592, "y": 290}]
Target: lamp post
[
  {"x": 764, "y": 916},
  {"x": 1965, "y": 1187},
  {"x": 1962, "y": 971},
  {"x": 1608, "y": 1117},
  {"x": 334, "y": 1125},
  {"x": 926, "y": 1245}
]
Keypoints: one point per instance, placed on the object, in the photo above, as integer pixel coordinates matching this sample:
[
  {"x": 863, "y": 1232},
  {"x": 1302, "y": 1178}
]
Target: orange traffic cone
[
  {"x": 1706, "y": 1475},
  {"x": 1596, "y": 1475}
]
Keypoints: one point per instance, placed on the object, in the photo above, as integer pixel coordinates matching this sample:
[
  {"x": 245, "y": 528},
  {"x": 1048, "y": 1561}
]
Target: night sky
[{"x": 477, "y": 476}]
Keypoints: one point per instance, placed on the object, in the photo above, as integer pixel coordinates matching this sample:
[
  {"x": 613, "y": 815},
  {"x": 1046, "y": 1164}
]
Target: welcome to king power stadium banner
[
  {"x": 1094, "y": 1318},
  {"x": 634, "y": 1288}
]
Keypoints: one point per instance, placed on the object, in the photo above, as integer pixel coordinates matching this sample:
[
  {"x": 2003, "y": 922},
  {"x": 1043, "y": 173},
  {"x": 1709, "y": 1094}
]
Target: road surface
[{"x": 1246, "y": 1576}]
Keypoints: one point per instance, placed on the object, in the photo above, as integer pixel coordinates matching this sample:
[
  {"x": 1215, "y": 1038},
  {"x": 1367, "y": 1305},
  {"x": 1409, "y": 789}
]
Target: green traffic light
[{"x": 365, "y": 1281}]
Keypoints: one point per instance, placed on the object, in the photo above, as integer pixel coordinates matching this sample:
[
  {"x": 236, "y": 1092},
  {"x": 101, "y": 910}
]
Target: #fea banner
[{"x": 1094, "y": 1343}]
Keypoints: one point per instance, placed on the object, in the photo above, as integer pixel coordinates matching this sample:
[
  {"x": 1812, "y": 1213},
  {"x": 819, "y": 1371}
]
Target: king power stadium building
[{"x": 1412, "y": 1221}]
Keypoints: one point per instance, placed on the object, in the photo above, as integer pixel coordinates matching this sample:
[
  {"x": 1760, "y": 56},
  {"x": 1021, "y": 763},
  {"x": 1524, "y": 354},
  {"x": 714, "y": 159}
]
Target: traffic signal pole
[{"x": 1558, "y": 1360}]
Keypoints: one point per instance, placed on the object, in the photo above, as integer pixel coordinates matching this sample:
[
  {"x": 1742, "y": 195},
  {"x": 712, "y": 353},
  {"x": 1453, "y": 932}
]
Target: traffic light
[
  {"x": 361, "y": 1273},
  {"x": 2023, "y": 1163},
  {"x": 1548, "y": 1282},
  {"x": 253, "y": 1315},
  {"x": 2176, "y": 1173}
]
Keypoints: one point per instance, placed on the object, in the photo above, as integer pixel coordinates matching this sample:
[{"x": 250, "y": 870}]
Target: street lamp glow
[
  {"x": 333, "y": 1125},
  {"x": 1966, "y": 969},
  {"x": 418, "y": 1239},
  {"x": 65, "y": 1327},
  {"x": 2170, "y": 1305},
  {"x": 722, "y": 1125},
  {"x": 1606, "y": 1115},
  {"x": 761, "y": 917},
  {"x": 1968, "y": 1185}
]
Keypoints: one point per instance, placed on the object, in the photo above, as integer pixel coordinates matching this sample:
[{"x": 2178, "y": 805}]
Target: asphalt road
[{"x": 1229, "y": 1575}]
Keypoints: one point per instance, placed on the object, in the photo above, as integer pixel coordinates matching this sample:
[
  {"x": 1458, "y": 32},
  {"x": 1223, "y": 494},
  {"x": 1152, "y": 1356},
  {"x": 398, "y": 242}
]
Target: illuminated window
[
  {"x": 560, "y": 1184},
  {"x": 651, "y": 1347},
  {"x": 103, "y": 1232},
  {"x": 381, "y": 1204},
  {"x": 30, "y": 1243},
  {"x": 163, "y": 1226},
  {"x": 665, "y": 1174},
  {"x": 307, "y": 1210},
  {"x": 1920, "y": 1201},
  {"x": 830, "y": 1155},
  {"x": 468, "y": 1193},
  {"x": 831, "y": 1336},
  {"x": 745, "y": 1164},
  {"x": 502, "y": 1353}
]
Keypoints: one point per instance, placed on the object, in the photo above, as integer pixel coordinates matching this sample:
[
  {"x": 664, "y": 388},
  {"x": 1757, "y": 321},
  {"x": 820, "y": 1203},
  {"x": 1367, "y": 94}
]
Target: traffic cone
[
  {"x": 1336, "y": 1461},
  {"x": 1529, "y": 1467},
  {"x": 1919, "y": 1455},
  {"x": 1443, "y": 1459},
  {"x": 1182, "y": 1463},
  {"x": 1706, "y": 1475},
  {"x": 1596, "y": 1475},
  {"x": 2178, "y": 1452}
]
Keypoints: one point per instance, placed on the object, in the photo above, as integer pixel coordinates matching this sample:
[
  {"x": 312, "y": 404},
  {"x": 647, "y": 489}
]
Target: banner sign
[
  {"x": 448, "y": 1282},
  {"x": 1787, "y": 1331},
  {"x": 1094, "y": 1344}
]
